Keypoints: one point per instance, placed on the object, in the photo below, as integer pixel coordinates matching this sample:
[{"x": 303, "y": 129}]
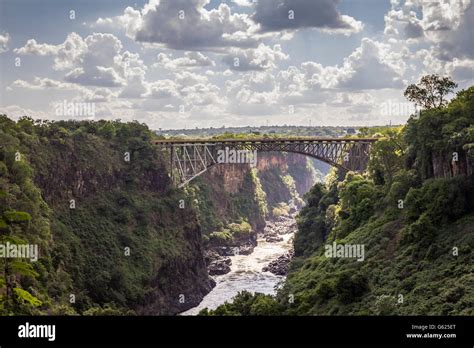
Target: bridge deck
[{"x": 263, "y": 140}]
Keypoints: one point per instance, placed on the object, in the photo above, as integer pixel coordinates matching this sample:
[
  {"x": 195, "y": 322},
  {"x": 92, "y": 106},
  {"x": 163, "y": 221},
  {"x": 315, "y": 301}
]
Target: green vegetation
[
  {"x": 219, "y": 209},
  {"x": 431, "y": 91},
  {"x": 233, "y": 235},
  {"x": 441, "y": 142},
  {"x": 282, "y": 209},
  {"x": 260, "y": 195},
  {"x": 259, "y": 132},
  {"x": 283, "y": 177},
  {"x": 114, "y": 236},
  {"x": 413, "y": 211},
  {"x": 246, "y": 303},
  {"x": 232, "y": 194},
  {"x": 109, "y": 231}
]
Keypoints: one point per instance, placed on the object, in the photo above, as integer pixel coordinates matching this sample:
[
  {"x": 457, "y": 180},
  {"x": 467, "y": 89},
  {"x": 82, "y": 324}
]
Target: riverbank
[{"x": 247, "y": 271}]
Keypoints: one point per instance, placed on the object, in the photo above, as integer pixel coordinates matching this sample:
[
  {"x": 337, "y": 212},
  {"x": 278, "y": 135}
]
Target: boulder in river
[
  {"x": 225, "y": 251},
  {"x": 273, "y": 239},
  {"x": 219, "y": 267},
  {"x": 279, "y": 266},
  {"x": 246, "y": 249}
]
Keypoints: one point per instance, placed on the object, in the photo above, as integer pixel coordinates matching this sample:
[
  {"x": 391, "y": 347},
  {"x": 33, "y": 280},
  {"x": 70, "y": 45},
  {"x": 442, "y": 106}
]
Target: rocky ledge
[
  {"x": 279, "y": 266},
  {"x": 219, "y": 267}
]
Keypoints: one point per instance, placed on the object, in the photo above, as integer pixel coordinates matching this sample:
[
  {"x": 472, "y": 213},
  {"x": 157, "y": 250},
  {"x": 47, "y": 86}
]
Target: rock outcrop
[{"x": 280, "y": 266}]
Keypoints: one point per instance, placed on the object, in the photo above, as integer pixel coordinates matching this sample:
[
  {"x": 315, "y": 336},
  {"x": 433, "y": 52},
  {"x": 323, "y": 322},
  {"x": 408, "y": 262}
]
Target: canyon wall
[
  {"x": 97, "y": 199},
  {"x": 239, "y": 194},
  {"x": 113, "y": 233}
]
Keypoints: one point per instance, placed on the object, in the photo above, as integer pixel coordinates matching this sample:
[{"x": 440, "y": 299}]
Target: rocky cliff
[
  {"x": 230, "y": 194},
  {"x": 118, "y": 240}
]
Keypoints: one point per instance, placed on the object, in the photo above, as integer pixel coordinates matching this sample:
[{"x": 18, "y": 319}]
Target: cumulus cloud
[
  {"x": 459, "y": 69},
  {"x": 97, "y": 95},
  {"x": 201, "y": 94},
  {"x": 136, "y": 84},
  {"x": 186, "y": 25},
  {"x": 458, "y": 37},
  {"x": 97, "y": 60},
  {"x": 130, "y": 20},
  {"x": 243, "y": 3},
  {"x": 162, "y": 89},
  {"x": 462, "y": 69},
  {"x": 43, "y": 83},
  {"x": 218, "y": 66},
  {"x": 446, "y": 24},
  {"x": 187, "y": 78},
  {"x": 369, "y": 67},
  {"x": 186, "y": 88},
  {"x": 17, "y": 111},
  {"x": 101, "y": 63},
  {"x": 4, "y": 41},
  {"x": 186, "y": 91},
  {"x": 66, "y": 54},
  {"x": 355, "y": 103},
  {"x": 254, "y": 94},
  {"x": 278, "y": 15},
  {"x": 191, "y": 59},
  {"x": 403, "y": 24},
  {"x": 261, "y": 58},
  {"x": 34, "y": 48},
  {"x": 95, "y": 76}
]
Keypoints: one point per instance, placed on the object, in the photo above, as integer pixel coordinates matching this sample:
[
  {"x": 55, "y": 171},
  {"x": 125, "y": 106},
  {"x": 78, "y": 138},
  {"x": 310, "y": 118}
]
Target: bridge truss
[{"x": 191, "y": 158}]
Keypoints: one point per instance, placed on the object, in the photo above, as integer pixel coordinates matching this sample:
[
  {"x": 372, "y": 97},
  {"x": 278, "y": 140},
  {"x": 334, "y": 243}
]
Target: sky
[{"x": 211, "y": 63}]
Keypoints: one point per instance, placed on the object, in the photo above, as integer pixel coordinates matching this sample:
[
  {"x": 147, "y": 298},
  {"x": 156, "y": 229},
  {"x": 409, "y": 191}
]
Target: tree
[
  {"x": 386, "y": 157},
  {"x": 431, "y": 91},
  {"x": 15, "y": 299}
]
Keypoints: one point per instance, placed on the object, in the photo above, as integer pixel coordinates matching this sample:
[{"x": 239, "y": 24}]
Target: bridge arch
[{"x": 191, "y": 158}]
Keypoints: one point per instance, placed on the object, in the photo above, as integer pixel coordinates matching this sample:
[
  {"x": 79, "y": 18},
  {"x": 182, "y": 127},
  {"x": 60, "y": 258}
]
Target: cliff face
[
  {"x": 449, "y": 165},
  {"x": 181, "y": 282},
  {"x": 304, "y": 172},
  {"x": 442, "y": 139},
  {"x": 232, "y": 193},
  {"x": 118, "y": 238},
  {"x": 286, "y": 176}
]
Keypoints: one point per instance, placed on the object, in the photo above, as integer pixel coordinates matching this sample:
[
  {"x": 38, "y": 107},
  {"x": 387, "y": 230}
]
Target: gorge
[
  {"x": 114, "y": 234},
  {"x": 115, "y": 237}
]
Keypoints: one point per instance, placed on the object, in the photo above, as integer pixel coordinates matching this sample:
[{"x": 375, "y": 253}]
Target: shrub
[
  {"x": 282, "y": 209},
  {"x": 325, "y": 289},
  {"x": 240, "y": 229},
  {"x": 16, "y": 216},
  {"x": 221, "y": 236},
  {"x": 348, "y": 287}
]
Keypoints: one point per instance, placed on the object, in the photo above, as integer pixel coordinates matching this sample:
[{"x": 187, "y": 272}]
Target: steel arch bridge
[{"x": 190, "y": 158}]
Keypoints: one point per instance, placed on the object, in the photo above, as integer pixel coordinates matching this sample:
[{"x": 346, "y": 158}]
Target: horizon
[{"x": 216, "y": 127}]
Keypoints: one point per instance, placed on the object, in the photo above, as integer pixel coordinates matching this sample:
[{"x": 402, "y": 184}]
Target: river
[{"x": 246, "y": 274}]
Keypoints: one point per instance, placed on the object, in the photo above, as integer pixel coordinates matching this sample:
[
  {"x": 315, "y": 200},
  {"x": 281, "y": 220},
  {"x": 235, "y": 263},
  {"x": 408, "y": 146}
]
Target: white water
[{"x": 246, "y": 274}]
